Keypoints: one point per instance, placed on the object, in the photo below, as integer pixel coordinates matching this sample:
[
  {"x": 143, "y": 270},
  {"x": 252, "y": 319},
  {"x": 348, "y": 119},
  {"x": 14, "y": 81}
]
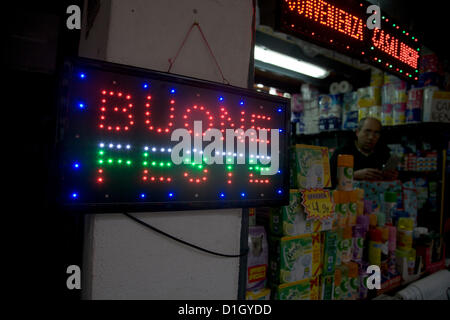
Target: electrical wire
[{"x": 184, "y": 242}]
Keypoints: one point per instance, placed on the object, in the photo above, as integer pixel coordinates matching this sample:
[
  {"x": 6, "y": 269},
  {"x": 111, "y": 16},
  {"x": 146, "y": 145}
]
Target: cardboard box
[
  {"x": 369, "y": 96},
  {"x": 293, "y": 259},
  {"x": 436, "y": 106},
  {"x": 263, "y": 294},
  {"x": 307, "y": 289},
  {"x": 299, "y": 290},
  {"x": 310, "y": 167},
  {"x": 291, "y": 220}
]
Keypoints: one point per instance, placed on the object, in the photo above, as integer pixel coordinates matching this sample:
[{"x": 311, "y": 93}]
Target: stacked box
[
  {"x": 373, "y": 191},
  {"x": 294, "y": 258},
  {"x": 307, "y": 289},
  {"x": 291, "y": 220},
  {"x": 414, "y": 105},
  {"x": 368, "y": 97},
  {"x": 299, "y": 290},
  {"x": 399, "y": 106},
  {"x": 350, "y": 111},
  {"x": 310, "y": 167},
  {"x": 263, "y": 294}
]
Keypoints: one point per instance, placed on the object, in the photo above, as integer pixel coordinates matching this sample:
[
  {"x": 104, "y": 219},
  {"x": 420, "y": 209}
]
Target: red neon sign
[
  {"x": 341, "y": 25},
  {"x": 330, "y": 16},
  {"x": 395, "y": 48}
]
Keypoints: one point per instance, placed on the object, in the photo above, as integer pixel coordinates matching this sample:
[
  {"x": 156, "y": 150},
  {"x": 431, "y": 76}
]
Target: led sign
[
  {"x": 341, "y": 25},
  {"x": 134, "y": 139}
]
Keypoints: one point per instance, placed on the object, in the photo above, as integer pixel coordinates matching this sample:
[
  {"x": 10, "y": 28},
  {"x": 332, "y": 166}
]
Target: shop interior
[{"x": 421, "y": 192}]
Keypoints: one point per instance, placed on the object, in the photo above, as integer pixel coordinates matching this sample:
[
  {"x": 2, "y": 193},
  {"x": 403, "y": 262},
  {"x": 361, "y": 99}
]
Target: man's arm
[{"x": 368, "y": 174}]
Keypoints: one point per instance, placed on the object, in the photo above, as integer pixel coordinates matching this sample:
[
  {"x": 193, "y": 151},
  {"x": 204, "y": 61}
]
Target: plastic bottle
[
  {"x": 384, "y": 251},
  {"x": 353, "y": 280},
  {"x": 405, "y": 233},
  {"x": 344, "y": 286},
  {"x": 392, "y": 245},
  {"x": 345, "y": 172},
  {"x": 358, "y": 231},
  {"x": 347, "y": 245},
  {"x": 363, "y": 275},
  {"x": 381, "y": 219},
  {"x": 340, "y": 200},
  {"x": 337, "y": 284},
  {"x": 373, "y": 220},
  {"x": 364, "y": 221},
  {"x": 390, "y": 203},
  {"x": 351, "y": 208},
  {"x": 375, "y": 247},
  {"x": 411, "y": 261}
]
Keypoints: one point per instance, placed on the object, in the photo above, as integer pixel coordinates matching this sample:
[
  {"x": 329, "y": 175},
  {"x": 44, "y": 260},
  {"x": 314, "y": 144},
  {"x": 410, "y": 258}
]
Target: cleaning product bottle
[
  {"x": 381, "y": 219},
  {"x": 340, "y": 200},
  {"x": 411, "y": 261},
  {"x": 363, "y": 275},
  {"x": 353, "y": 280},
  {"x": 337, "y": 284},
  {"x": 384, "y": 252},
  {"x": 392, "y": 246},
  {"x": 358, "y": 233},
  {"x": 344, "y": 286},
  {"x": 347, "y": 245},
  {"x": 373, "y": 220},
  {"x": 405, "y": 233},
  {"x": 352, "y": 207},
  {"x": 345, "y": 172},
  {"x": 375, "y": 247}
]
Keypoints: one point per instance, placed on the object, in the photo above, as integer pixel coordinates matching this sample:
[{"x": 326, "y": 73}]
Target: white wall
[{"x": 124, "y": 260}]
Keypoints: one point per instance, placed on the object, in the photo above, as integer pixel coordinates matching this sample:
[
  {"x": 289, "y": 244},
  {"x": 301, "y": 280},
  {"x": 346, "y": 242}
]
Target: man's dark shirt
[{"x": 375, "y": 160}]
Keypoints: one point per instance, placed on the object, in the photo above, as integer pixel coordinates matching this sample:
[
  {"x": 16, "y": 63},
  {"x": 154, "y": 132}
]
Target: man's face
[{"x": 369, "y": 135}]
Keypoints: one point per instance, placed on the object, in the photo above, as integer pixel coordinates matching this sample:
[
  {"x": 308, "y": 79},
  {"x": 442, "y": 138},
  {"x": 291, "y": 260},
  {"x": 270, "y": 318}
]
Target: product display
[
  {"x": 362, "y": 223},
  {"x": 372, "y": 223}
]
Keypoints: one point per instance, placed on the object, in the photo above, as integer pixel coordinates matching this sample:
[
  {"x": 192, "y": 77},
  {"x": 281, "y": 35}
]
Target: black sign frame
[{"x": 65, "y": 137}]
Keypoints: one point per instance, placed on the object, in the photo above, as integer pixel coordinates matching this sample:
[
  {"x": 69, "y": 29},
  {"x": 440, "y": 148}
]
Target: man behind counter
[{"x": 369, "y": 156}]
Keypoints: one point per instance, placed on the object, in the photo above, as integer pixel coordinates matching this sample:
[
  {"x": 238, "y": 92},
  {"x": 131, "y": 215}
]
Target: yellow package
[
  {"x": 312, "y": 166},
  {"x": 263, "y": 294},
  {"x": 369, "y": 96}
]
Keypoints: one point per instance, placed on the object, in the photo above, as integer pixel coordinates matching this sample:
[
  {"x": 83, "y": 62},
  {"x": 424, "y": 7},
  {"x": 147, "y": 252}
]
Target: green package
[
  {"x": 327, "y": 287},
  {"x": 288, "y": 220},
  {"x": 291, "y": 258},
  {"x": 299, "y": 290}
]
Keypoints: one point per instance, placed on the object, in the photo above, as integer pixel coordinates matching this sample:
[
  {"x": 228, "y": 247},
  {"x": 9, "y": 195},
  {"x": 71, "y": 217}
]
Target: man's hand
[
  {"x": 390, "y": 174},
  {"x": 368, "y": 174}
]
